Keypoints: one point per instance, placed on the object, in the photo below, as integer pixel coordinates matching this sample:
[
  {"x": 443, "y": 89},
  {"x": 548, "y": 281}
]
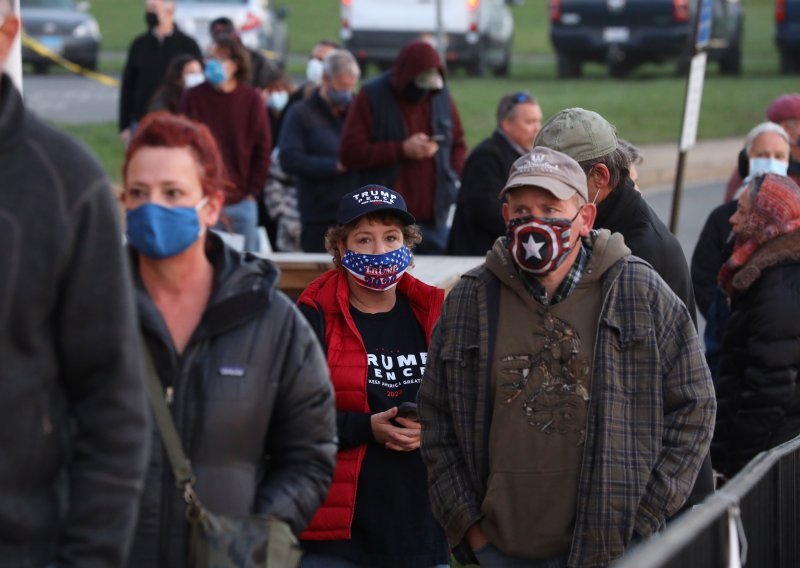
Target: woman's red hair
[{"x": 165, "y": 130}]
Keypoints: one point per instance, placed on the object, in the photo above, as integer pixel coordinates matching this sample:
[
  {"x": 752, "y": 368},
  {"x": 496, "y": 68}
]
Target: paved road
[
  {"x": 698, "y": 201},
  {"x": 68, "y": 98}
]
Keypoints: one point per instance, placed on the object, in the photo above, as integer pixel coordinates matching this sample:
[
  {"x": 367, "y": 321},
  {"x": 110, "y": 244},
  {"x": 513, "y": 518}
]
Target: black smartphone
[
  {"x": 408, "y": 410},
  {"x": 438, "y": 137}
]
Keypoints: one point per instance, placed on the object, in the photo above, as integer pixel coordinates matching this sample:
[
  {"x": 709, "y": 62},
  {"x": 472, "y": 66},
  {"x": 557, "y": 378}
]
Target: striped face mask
[{"x": 378, "y": 272}]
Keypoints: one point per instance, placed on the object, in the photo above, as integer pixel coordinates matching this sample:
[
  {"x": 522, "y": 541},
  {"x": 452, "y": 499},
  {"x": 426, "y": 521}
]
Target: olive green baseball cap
[{"x": 581, "y": 134}]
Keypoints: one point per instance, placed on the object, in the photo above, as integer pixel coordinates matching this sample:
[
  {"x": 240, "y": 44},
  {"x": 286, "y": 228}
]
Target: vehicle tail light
[
  {"x": 680, "y": 10},
  {"x": 345, "y": 14},
  {"x": 780, "y": 11},
  {"x": 472, "y": 8},
  {"x": 555, "y": 10},
  {"x": 251, "y": 22}
]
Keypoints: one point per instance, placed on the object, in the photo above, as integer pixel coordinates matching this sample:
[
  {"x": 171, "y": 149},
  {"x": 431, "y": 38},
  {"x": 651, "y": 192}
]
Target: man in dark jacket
[
  {"x": 404, "y": 132},
  {"x": 309, "y": 148},
  {"x": 73, "y": 416},
  {"x": 478, "y": 220},
  {"x": 148, "y": 58},
  {"x": 592, "y": 141}
]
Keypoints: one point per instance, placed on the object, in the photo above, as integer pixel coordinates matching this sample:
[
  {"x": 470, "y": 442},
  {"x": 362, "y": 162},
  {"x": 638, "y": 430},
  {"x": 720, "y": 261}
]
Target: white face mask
[
  {"x": 768, "y": 166},
  {"x": 193, "y": 79},
  {"x": 277, "y": 100},
  {"x": 314, "y": 71}
]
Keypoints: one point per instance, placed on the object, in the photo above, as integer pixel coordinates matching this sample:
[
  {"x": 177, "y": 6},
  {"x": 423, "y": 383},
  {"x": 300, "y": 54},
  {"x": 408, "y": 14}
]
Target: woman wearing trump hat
[{"x": 374, "y": 321}]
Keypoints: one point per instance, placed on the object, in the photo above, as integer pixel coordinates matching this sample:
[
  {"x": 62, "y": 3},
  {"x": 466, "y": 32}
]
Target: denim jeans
[
  {"x": 489, "y": 556},
  {"x": 241, "y": 218}
]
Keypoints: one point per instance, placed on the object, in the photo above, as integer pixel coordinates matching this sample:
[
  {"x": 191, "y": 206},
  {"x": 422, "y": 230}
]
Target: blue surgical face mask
[
  {"x": 160, "y": 232},
  {"x": 768, "y": 166},
  {"x": 215, "y": 72},
  {"x": 378, "y": 272},
  {"x": 340, "y": 98}
]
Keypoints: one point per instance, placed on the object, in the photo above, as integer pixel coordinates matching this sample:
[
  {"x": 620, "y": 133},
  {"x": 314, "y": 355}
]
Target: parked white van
[{"x": 478, "y": 33}]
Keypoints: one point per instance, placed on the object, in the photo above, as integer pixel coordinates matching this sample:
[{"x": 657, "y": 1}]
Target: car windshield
[{"x": 47, "y": 4}]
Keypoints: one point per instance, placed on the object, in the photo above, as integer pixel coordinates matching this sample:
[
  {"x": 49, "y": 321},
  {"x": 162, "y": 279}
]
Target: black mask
[
  {"x": 414, "y": 94},
  {"x": 151, "y": 19}
]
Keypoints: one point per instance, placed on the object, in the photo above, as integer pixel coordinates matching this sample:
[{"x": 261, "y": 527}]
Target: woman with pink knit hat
[{"x": 758, "y": 392}]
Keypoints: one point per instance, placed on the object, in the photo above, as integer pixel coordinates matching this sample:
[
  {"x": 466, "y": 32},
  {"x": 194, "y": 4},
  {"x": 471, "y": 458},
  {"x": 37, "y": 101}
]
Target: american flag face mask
[
  {"x": 539, "y": 245},
  {"x": 379, "y": 272}
]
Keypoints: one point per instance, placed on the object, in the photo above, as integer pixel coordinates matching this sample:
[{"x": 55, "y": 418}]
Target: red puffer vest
[{"x": 347, "y": 361}]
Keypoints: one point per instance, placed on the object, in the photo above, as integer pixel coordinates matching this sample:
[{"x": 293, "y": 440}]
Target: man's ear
[
  {"x": 588, "y": 214},
  {"x": 9, "y": 28},
  {"x": 600, "y": 175},
  {"x": 505, "y": 212}
]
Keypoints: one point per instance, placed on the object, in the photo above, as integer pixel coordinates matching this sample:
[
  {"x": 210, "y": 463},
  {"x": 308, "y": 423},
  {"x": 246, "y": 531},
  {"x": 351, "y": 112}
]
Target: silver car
[{"x": 258, "y": 26}]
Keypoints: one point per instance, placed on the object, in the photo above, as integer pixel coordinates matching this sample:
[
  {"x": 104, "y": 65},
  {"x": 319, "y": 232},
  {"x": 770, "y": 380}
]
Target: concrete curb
[{"x": 707, "y": 161}]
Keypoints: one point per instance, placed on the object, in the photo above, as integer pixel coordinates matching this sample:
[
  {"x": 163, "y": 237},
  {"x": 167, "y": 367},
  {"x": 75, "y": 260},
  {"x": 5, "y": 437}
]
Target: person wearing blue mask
[
  {"x": 375, "y": 322},
  {"x": 309, "y": 148},
  {"x": 235, "y": 113},
  {"x": 244, "y": 377}
]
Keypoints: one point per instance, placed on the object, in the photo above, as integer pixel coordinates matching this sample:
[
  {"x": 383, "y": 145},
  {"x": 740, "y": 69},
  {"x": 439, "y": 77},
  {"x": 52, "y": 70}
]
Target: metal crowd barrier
[{"x": 753, "y": 521}]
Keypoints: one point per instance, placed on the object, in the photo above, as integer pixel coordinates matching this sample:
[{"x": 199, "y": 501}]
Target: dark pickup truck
[
  {"x": 787, "y": 34},
  {"x": 626, "y": 33}
]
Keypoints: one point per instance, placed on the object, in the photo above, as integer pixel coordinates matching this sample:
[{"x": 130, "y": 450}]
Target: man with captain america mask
[{"x": 566, "y": 407}]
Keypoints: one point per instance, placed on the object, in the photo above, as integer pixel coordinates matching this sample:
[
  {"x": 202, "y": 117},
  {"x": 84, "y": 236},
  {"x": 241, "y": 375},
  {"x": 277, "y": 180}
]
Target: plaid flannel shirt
[
  {"x": 567, "y": 285},
  {"x": 649, "y": 426}
]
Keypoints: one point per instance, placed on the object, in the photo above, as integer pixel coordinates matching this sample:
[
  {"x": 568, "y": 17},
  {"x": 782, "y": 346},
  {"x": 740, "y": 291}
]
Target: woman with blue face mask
[
  {"x": 374, "y": 321},
  {"x": 260, "y": 434},
  {"x": 236, "y": 115}
]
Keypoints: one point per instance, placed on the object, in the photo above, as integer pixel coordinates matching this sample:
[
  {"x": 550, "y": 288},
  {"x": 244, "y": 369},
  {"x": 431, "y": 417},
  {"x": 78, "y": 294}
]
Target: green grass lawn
[{"x": 646, "y": 108}]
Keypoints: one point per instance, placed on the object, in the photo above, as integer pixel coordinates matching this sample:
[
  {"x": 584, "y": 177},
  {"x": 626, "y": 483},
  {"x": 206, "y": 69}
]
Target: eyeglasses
[{"x": 522, "y": 97}]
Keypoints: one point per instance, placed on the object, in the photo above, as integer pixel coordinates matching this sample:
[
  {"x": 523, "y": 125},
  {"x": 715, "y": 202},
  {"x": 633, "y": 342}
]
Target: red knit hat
[{"x": 785, "y": 107}]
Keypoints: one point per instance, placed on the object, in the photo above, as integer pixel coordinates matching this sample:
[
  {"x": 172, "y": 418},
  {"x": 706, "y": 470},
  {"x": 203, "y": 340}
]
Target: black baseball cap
[{"x": 372, "y": 199}]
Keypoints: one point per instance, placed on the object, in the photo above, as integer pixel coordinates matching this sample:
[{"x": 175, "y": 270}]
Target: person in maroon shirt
[
  {"x": 403, "y": 131},
  {"x": 235, "y": 113}
]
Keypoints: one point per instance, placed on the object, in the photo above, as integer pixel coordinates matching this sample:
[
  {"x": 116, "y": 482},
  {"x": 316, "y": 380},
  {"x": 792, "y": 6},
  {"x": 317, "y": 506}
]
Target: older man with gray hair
[
  {"x": 309, "y": 148},
  {"x": 73, "y": 417}
]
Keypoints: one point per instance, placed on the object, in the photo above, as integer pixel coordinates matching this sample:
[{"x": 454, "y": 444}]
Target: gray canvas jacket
[
  {"x": 252, "y": 402},
  {"x": 650, "y": 419}
]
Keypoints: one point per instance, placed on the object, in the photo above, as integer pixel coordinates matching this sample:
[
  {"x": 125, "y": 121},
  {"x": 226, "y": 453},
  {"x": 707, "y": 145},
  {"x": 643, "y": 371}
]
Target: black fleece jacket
[
  {"x": 73, "y": 415},
  {"x": 625, "y": 211}
]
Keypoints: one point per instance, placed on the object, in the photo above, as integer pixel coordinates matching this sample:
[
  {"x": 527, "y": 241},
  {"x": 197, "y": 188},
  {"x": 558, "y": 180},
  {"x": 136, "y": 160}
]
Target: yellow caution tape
[
  {"x": 40, "y": 49},
  {"x": 271, "y": 54}
]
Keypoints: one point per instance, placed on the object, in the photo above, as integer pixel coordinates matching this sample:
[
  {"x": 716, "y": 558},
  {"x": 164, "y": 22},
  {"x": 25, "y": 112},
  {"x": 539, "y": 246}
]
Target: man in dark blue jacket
[
  {"x": 309, "y": 148},
  {"x": 73, "y": 417}
]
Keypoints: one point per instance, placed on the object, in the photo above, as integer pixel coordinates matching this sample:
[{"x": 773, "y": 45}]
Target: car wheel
[
  {"x": 479, "y": 66},
  {"x": 789, "y": 63},
  {"x": 504, "y": 69},
  {"x": 90, "y": 64},
  {"x": 619, "y": 69},
  {"x": 41, "y": 67},
  {"x": 567, "y": 67},
  {"x": 731, "y": 62}
]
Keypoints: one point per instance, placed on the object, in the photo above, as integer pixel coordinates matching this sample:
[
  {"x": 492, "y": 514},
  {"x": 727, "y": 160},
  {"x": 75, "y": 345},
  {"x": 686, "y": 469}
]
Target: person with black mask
[
  {"x": 223, "y": 26},
  {"x": 404, "y": 132},
  {"x": 148, "y": 57}
]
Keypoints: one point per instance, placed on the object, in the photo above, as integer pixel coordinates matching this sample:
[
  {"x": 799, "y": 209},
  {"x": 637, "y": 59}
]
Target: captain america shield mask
[{"x": 538, "y": 245}]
